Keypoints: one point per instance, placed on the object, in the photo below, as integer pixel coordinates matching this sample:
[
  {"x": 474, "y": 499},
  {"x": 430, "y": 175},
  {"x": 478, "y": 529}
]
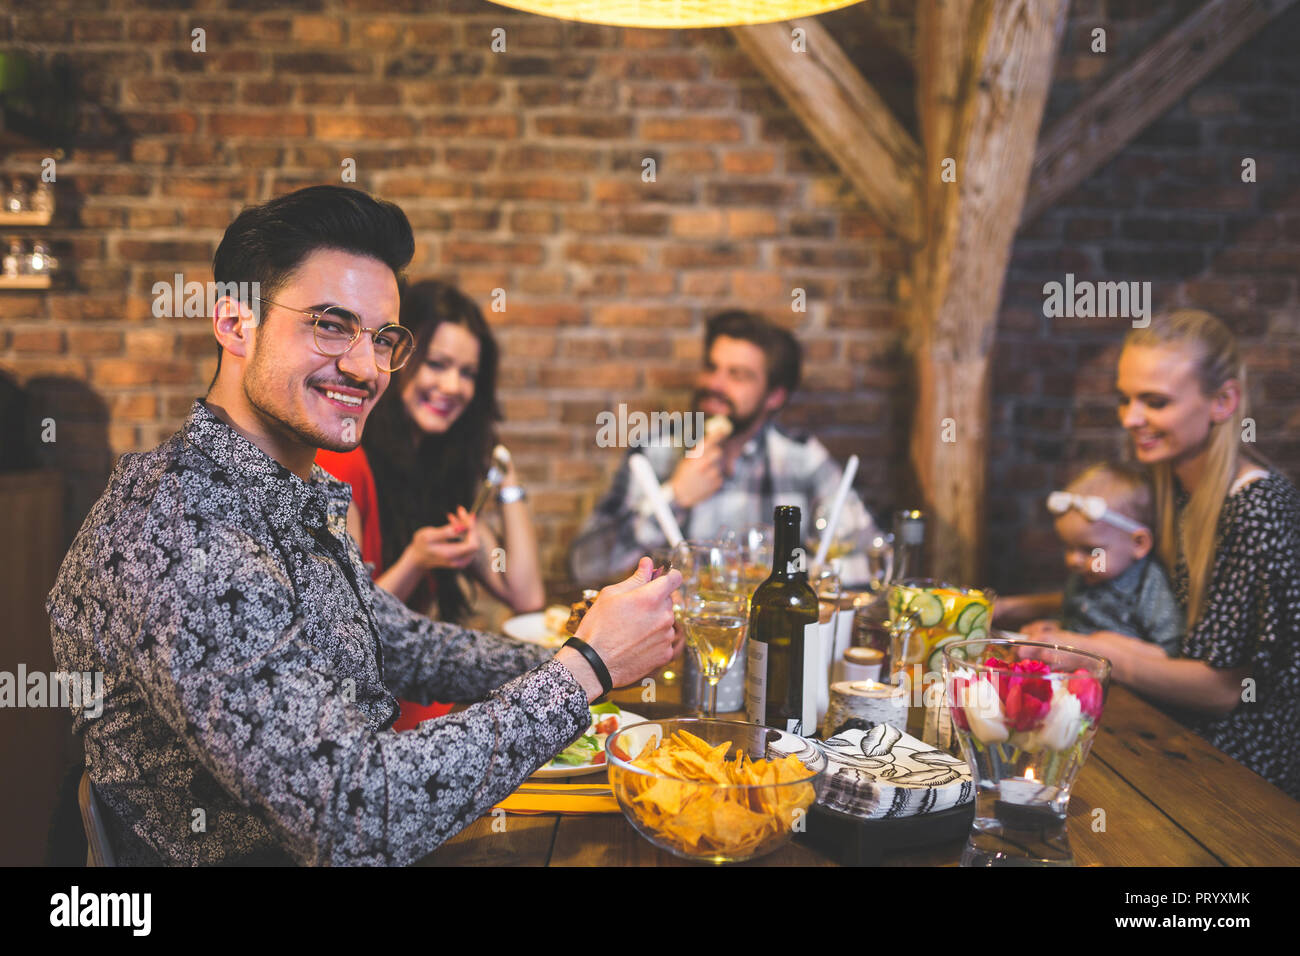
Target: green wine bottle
[{"x": 780, "y": 683}]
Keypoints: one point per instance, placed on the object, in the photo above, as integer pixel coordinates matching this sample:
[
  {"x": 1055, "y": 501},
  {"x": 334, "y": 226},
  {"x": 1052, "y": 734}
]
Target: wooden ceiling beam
[
  {"x": 845, "y": 115},
  {"x": 1125, "y": 104}
]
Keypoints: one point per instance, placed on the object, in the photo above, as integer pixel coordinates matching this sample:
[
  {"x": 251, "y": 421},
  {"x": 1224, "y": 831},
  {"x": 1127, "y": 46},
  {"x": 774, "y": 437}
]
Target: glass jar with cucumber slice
[{"x": 925, "y": 616}]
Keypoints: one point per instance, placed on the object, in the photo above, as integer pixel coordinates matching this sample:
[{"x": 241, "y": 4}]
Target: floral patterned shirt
[
  {"x": 250, "y": 666},
  {"x": 1252, "y": 617}
]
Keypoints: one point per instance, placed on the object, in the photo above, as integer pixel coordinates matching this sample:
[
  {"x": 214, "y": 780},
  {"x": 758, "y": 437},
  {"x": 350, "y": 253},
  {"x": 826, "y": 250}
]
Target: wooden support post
[{"x": 984, "y": 68}]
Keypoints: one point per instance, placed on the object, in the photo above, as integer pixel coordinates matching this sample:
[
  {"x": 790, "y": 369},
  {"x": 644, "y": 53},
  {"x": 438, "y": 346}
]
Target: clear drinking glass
[
  {"x": 880, "y": 562},
  {"x": 714, "y": 608}
]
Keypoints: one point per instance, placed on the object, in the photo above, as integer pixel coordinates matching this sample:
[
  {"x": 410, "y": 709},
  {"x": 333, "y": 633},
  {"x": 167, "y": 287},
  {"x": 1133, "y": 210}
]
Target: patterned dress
[
  {"x": 250, "y": 666},
  {"x": 1252, "y": 618}
]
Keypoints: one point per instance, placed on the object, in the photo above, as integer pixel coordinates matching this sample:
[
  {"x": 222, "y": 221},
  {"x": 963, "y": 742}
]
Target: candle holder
[{"x": 1025, "y": 715}]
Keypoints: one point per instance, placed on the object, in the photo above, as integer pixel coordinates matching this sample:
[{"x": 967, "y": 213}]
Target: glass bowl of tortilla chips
[{"x": 720, "y": 791}]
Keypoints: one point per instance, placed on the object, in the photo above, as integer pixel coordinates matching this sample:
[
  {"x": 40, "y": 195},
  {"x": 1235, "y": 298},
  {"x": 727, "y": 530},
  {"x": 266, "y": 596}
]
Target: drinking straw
[
  {"x": 841, "y": 492},
  {"x": 645, "y": 475}
]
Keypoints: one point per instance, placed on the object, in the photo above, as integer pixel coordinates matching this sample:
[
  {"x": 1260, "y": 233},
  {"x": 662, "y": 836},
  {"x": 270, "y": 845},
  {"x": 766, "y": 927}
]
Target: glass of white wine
[{"x": 714, "y": 608}]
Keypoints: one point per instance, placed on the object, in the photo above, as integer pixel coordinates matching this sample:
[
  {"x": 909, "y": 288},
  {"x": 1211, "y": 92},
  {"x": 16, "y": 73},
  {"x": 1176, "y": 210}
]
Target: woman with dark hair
[{"x": 425, "y": 451}]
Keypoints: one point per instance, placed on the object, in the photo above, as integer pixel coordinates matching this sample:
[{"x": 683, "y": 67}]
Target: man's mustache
[
  {"x": 370, "y": 392},
  {"x": 701, "y": 394}
]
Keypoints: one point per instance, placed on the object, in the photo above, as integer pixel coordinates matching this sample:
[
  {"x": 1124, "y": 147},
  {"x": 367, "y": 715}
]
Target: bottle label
[
  {"x": 813, "y": 675},
  {"x": 756, "y": 682}
]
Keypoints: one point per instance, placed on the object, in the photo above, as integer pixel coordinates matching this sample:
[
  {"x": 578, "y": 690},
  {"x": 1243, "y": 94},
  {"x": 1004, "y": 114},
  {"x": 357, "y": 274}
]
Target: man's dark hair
[
  {"x": 267, "y": 243},
  {"x": 780, "y": 348}
]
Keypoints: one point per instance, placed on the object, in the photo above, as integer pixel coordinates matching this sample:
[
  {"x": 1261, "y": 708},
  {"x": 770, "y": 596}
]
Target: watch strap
[{"x": 597, "y": 665}]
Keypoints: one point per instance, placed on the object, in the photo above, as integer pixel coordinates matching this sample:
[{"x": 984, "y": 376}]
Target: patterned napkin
[{"x": 884, "y": 773}]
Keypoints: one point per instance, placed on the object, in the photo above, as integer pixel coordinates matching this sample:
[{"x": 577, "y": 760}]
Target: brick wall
[
  {"x": 519, "y": 170},
  {"x": 523, "y": 171}
]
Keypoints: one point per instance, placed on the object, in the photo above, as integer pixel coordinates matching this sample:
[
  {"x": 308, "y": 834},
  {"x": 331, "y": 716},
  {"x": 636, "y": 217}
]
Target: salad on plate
[{"x": 587, "y": 753}]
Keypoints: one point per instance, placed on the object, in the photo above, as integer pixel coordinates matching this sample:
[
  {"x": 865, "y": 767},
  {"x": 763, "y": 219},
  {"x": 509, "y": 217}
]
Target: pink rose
[{"x": 1088, "y": 689}]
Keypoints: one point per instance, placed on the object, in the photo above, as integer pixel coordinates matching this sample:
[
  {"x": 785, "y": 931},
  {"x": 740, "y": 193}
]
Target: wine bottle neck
[{"x": 788, "y": 558}]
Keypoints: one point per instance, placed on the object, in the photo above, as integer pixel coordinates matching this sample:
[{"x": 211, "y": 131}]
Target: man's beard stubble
[{"x": 739, "y": 426}]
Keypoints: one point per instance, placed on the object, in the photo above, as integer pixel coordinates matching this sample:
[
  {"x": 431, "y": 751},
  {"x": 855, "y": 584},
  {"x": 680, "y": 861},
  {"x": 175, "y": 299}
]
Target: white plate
[
  {"x": 531, "y": 628},
  {"x": 551, "y": 771}
]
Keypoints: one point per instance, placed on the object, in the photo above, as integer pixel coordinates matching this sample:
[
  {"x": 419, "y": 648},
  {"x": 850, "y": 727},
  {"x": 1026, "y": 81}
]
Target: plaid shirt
[
  {"x": 250, "y": 666},
  {"x": 772, "y": 469}
]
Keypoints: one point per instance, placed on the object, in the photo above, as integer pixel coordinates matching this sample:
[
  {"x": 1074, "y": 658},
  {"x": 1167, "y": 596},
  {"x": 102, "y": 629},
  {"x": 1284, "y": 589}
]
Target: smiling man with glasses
[{"x": 250, "y": 663}]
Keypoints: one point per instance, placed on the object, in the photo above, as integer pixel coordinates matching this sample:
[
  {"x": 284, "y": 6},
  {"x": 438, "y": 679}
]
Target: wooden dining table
[{"x": 1152, "y": 793}]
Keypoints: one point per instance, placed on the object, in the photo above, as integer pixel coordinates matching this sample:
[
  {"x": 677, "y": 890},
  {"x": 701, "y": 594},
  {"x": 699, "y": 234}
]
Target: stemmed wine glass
[{"x": 714, "y": 608}]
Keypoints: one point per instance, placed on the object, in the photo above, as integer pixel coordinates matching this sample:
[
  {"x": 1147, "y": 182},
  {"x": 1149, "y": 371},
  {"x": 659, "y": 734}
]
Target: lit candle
[{"x": 1025, "y": 802}]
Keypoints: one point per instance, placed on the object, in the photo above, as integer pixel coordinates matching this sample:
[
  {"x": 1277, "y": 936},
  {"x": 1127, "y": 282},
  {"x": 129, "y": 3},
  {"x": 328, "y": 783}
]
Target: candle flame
[{"x": 1029, "y": 775}]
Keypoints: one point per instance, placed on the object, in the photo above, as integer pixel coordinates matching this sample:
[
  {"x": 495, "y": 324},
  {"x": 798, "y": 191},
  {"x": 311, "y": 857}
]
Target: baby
[{"x": 1104, "y": 519}]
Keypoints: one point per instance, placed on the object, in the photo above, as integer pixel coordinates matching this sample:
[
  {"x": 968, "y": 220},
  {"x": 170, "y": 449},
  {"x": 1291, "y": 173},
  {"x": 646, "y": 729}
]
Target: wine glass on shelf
[{"x": 714, "y": 608}]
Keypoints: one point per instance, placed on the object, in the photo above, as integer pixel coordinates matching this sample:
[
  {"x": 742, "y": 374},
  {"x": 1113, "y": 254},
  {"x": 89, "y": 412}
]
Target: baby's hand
[{"x": 1048, "y": 631}]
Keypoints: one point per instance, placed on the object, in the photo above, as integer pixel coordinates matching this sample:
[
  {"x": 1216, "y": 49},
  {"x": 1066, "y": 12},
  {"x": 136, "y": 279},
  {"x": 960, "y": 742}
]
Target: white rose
[
  {"x": 983, "y": 712},
  {"x": 1061, "y": 728}
]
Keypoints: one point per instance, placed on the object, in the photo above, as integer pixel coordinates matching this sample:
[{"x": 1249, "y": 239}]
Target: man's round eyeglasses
[{"x": 336, "y": 330}]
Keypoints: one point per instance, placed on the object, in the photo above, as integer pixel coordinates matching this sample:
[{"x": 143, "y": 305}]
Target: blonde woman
[{"x": 1228, "y": 527}]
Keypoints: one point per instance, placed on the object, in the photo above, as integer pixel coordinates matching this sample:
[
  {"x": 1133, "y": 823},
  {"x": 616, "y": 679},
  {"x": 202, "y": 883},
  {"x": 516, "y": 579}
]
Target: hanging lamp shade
[{"x": 676, "y": 14}]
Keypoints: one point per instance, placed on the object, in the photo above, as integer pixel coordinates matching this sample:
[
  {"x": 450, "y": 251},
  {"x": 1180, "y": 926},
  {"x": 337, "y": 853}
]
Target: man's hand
[
  {"x": 631, "y": 626},
  {"x": 698, "y": 476}
]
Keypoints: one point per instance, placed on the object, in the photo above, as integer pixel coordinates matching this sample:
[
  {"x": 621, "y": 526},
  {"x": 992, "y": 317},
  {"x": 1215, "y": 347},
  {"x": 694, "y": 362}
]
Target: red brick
[
  {"x": 426, "y": 186},
  {"x": 631, "y": 190},
  {"x": 366, "y": 126},
  {"x": 540, "y": 282},
  {"x": 208, "y": 90},
  {"x": 150, "y": 29},
  {"x": 691, "y": 129},
  {"x": 38, "y": 341},
  {"x": 532, "y": 221},
  {"x": 562, "y": 190},
  {"x": 102, "y": 217},
  {"x": 128, "y": 372},
  {"x": 532, "y": 314},
  {"x": 706, "y": 284},
  {"x": 259, "y": 124},
  {"x": 325, "y": 31},
  {"x": 151, "y": 89},
  {"x": 762, "y": 285},
  {"x": 687, "y": 161},
  {"x": 487, "y": 126},
  {"x": 136, "y": 407},
  {"x": 521, "y": 253},
  {"x": 471, "y": 159},
  {"x": 651, "y": 96},
  {"x": 25, "y": 369},
  {"x": 44, "y": 28},
  {"x": 670, "y": 377},
  {"x": 645, "y": 317},
  {"x": 375, "y": 33},
  {"x": 607, "y": 253},
  {"x": 750, "y": 162},
  {"x": 698, "y": 224},
  {"x": 751, "y": 223},
  {"x": 645, "y": 284},
  {"x": 584, "y": 127},
  {"x": 692, "y": 256},
  {"x": 163, "y": 250},
  {"x": 266, "y": 92},
  {"x": 532, "y": 157},
  {"x": 614, "y": 375},
  {"x": 83, "y": 308}
]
